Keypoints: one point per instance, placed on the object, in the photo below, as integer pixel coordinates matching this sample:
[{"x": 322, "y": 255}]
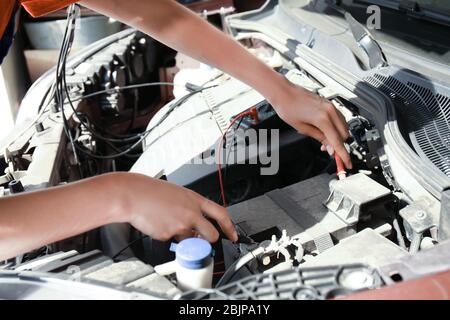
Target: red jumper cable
[{"x": 253, "y": 113}]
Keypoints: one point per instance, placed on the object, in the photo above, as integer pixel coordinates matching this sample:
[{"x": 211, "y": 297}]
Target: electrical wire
[
  {"x": 139, "y": 137},
  {"x": 95, "y": 134},
  {"x": 252, "y": 113},
  {"x": 60, "y": 74},
  {"x": 117, "y": 89},
  {"x": 144, "y": 134},
  {"x": 229, "y": 152},
  {"x": 62, "y": 92},
  {"x": 128, "y": 245},
  {"x": 124, "y": 138},
  {"x": 238, "y": 265},
  {"x": 219, "y": 169},
  {"x": 123, "y": 88}
]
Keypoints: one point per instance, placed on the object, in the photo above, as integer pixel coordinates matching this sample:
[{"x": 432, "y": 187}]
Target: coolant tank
[{"x": 194, "y": 263}]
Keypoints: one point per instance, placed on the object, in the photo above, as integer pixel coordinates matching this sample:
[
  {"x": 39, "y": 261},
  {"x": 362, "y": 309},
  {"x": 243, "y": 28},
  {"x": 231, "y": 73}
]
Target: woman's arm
[
  {"x": 155, "y": 207},
  {"x": 179, "y": 28}
]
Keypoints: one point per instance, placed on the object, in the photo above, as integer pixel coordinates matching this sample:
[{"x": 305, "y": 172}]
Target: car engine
[{"x": 307, "y": 230}]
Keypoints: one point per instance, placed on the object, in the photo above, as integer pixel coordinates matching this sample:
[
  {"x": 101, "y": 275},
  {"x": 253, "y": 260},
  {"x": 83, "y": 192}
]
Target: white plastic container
[{"x": 193, "y": 264}]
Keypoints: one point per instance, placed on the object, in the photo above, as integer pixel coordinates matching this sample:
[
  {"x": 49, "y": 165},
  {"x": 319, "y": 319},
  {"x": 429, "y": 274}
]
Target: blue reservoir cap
[{"x": 193, "y": 253}]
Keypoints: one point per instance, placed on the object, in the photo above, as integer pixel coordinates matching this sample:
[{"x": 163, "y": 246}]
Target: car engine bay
[{"x": 307, "y": 230}]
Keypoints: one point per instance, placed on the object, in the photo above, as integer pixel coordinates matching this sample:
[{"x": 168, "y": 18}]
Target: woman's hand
[
  {"x": 314, "y": 116},
  {"x": 163, "y": 210}
]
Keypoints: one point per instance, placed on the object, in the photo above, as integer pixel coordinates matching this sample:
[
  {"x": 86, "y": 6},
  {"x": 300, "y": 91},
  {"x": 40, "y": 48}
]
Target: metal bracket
[{"x": 416, "y": 221}]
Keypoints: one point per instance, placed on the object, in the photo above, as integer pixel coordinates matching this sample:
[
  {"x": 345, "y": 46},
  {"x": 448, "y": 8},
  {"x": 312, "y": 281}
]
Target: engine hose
[{"x": 238, "y": 265}]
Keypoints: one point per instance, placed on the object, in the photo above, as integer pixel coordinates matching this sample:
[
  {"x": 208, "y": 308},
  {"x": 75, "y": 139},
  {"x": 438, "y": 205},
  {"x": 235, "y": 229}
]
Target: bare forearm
[
  {"x": 32, "y": 220},
  {"x": 155, "y": 207},
  {"x": 181, "y": 29}
]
